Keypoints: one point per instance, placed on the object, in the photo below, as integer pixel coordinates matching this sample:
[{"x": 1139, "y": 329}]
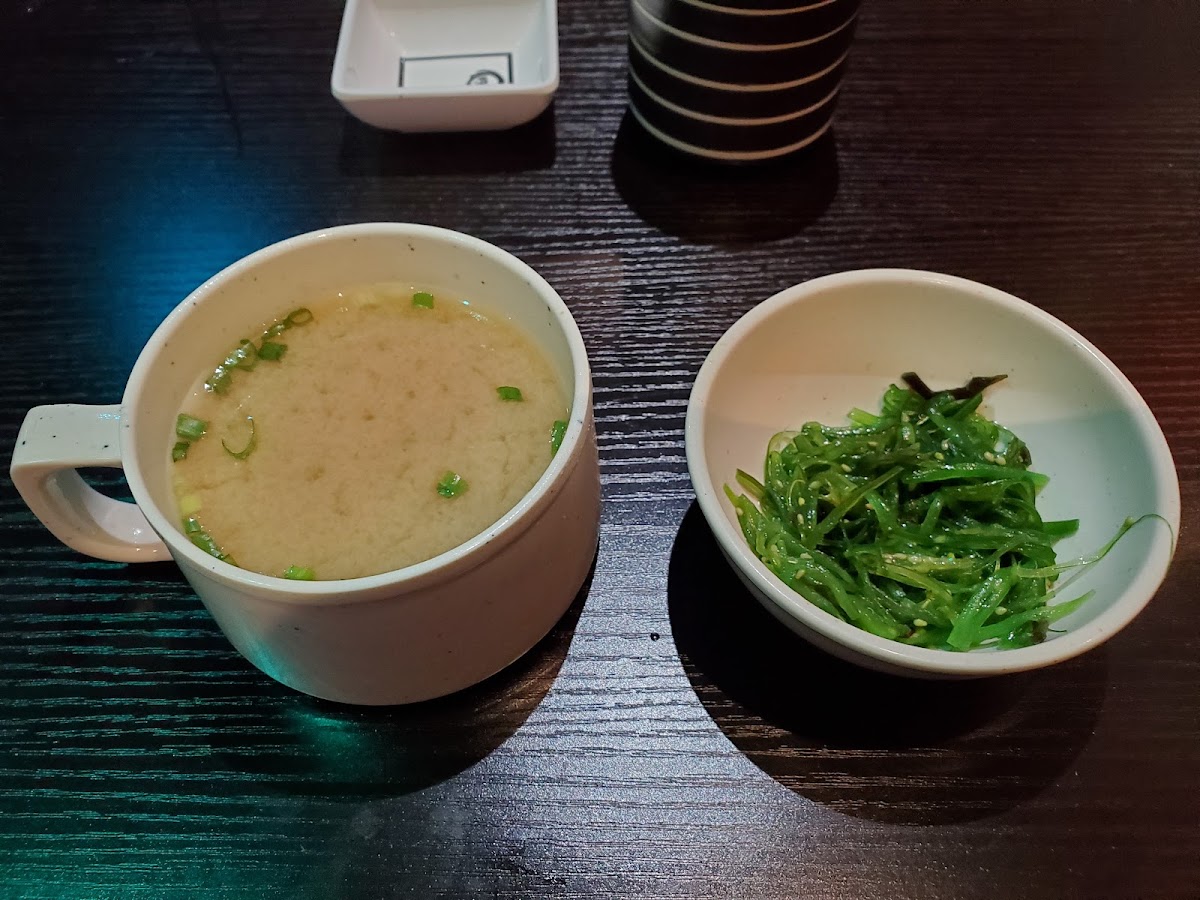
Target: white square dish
[{"x": 446, "y": 65}]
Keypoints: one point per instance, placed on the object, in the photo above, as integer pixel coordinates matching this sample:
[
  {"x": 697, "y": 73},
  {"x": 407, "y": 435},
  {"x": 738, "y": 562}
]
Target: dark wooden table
[{"x": 668, "y": 739}]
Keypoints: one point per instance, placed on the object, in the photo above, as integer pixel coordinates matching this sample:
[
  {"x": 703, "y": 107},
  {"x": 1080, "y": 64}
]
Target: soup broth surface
[{"x": 375, "y": 403}]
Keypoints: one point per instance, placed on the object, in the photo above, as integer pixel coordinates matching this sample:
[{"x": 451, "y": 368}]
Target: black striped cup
[{"x": 738, "y": 80}]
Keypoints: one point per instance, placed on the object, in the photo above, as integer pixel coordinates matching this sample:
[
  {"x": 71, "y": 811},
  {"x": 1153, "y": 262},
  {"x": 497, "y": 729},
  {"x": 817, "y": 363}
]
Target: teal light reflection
[{"x": 163, "y": 227}]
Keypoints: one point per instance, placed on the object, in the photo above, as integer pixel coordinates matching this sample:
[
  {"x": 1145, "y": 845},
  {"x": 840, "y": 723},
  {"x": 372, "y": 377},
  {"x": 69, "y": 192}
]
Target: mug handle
[{"x": 53, "y": 442}]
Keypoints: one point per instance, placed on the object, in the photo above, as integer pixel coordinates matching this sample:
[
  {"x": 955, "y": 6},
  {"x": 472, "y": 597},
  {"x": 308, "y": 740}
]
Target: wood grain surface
[{"x": 668, "y": 739}]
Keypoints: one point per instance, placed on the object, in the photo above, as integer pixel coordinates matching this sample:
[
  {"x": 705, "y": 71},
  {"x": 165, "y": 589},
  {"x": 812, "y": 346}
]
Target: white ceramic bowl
[
  {"x": 814, "y": 351},
  {"x": 420, "y": 632}
]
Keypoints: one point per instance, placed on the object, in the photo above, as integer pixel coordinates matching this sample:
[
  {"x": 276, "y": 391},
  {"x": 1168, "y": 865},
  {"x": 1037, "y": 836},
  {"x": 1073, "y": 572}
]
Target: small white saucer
[{"x": 446, "y": 65}]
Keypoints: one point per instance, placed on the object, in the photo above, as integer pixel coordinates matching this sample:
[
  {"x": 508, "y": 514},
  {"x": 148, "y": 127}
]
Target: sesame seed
[
  {"x": 845, "y": 468},
  {"x": 800, "y": 501},
  {"x": 799, "y": 574},
  {"x": 939, "y": 456},
  {"x": 1001, "y": 460},
  {"x": 920, "y": 623},
  {"x": 1001, "y": 610},
  {"x": 945, "y": 445},
  {"x": 989, "y": 456}
]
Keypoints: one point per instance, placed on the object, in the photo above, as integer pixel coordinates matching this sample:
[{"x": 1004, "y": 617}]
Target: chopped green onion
[
  {"x": 557, "y": 431},
  {"x": 244, "y": 357},
  {"x": 451, "y": 485},
  {"x": 201, "y": 538},
  {"x": 509, "y": 393},
  {"x": 299, "y": 573},
  {"x": 189, "y": 427},
  {"x": 301, "y": 316},
  {"x": 179, "y": 451},
  {"x": 272, "y": 351},
  {"x": 250, "y": 444},
  {"x": 423, "y": 299},
  {"x": 220, "y": 380}
]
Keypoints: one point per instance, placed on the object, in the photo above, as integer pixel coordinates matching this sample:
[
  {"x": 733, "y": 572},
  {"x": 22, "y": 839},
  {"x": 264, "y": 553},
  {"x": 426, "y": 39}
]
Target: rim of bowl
[
  {"x": 366, "y": 588},
  {"x": 924, "y": 659}
]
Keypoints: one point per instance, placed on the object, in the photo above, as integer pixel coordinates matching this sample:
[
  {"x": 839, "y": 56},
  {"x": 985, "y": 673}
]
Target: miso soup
[{"x": 373, "y": 429}]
